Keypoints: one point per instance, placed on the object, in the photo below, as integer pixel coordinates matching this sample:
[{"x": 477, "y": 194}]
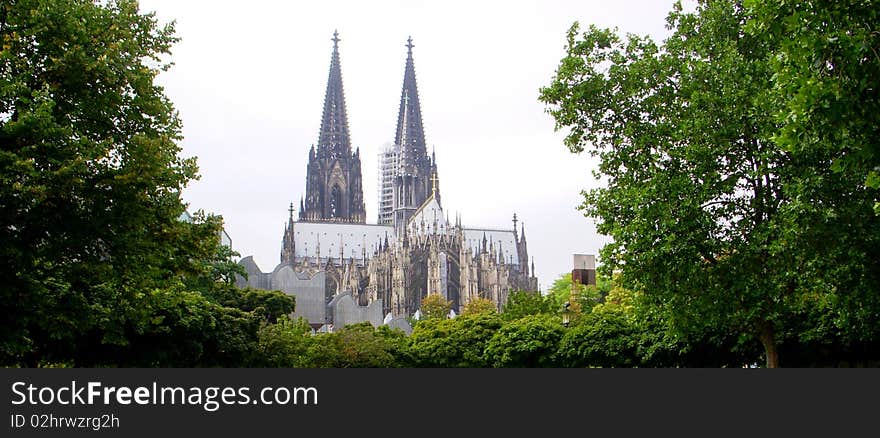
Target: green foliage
[
  {"x": 175, "y": 328},
  {"x": 825, "y": 71},
  {"x": 284, "y": 343},
  {"x": 479, "y": 305},
  {"x": 588, "y": 295},
  {"x": 270, "y": 304},
  {"x": 709, "y": 217},
  {"x": 520, "y": 304},
  {"x": 607, "y": 336},
  {"x": 527, "y": 342},
  {"x": 356, "y": 346},
  {"x": 434, "y": 306},
  {"x": 457, "y": 342},
  {"x": 216, "y": 270},
  {"x": 825, "y": 102},
  {"x": 560, "y": 290},
  {"x": 98, "y": 267}
]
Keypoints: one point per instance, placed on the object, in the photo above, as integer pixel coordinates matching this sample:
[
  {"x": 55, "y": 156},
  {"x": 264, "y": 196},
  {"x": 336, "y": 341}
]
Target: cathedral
[{"x": 413, "y": 250}]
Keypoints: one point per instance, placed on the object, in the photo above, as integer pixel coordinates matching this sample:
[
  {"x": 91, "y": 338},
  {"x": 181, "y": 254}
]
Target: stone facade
[
  {"x": 414, "y": 250},
  {"x": 438, "y": 260},
  {"x": 333, "y": 184}
]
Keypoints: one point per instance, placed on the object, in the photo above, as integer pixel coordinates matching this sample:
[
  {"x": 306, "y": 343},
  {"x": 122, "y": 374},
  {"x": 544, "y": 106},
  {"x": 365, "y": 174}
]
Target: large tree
[
  {"x": 825, "y": 80},
  {"x": 90, "y": 178},
  {"x": 826, "y": 102},
  {"x": 705, "y": 208}
]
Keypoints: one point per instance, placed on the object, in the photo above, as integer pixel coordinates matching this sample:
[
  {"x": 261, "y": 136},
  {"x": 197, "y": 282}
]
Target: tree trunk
[{"x": 770, "y": 350}]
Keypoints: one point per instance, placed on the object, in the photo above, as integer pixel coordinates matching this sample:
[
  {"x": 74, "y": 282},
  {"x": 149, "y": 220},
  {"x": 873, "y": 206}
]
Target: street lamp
[{"x": 566, "y": 314}]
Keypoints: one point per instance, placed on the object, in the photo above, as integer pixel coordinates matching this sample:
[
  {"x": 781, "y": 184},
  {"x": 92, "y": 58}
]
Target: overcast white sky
[{"x": 249, "y": 81}]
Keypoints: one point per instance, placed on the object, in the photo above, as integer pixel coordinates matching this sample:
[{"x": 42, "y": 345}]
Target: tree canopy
[
  {"x": 434, "y": 306},
  {"x": 714, "y": 214},
  {"x": 479, "y": 305},
  {"x": 522, "y": 303},
  {"x": 98, "y": 266}
]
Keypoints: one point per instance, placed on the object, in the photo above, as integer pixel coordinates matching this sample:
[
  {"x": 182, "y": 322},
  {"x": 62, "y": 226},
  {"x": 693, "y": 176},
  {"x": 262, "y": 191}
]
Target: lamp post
[{"x": 566, "y": 314}]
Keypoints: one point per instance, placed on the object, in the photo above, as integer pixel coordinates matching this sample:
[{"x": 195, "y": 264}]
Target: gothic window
[{"x": 335, "y": 202}]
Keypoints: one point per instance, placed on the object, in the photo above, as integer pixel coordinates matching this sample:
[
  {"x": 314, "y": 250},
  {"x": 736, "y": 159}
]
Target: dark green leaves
[{"x": 730, "y": 152}]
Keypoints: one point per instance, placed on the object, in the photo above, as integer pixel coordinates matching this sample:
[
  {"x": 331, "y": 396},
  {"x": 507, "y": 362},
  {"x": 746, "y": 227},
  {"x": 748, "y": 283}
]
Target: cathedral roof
[
  {"x": 473, "y": 238},
  {"x": 429, "y": 211},
  {"x": 334, "y": 138},
  {"x": 328, "y": 236}
]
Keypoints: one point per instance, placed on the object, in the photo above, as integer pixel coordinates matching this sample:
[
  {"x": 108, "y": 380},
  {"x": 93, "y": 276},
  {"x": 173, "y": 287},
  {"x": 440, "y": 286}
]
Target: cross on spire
[
  {"x": 290, "y": 210},
  {"x": 409, "y": 45},
  {"x": 434, "y": 184},
  {"x": 335, "y": 39}
]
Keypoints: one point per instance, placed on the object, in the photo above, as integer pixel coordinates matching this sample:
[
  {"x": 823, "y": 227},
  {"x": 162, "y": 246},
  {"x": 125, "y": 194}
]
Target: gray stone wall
[
  {"x": 308, "y": 290},
  {"x": 345, "y": 311},
  {"x": 402, "y": 324},
  {"x": 256, "y": 278}
]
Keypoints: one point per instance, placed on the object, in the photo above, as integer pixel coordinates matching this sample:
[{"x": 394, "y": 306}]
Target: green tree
[
  {"x": 825, "y": 72},
  {"x": 588, "y": 295},
  {"x": 520, "y": 304},
  {"x": 178, "y": 328},
  {"x": 284, "y": 343},
  {"x": 356, "y": 346},
  {"x": 214, "y": 277},
  {"x": 457, "y": 342},
  {"x": 269, "y": 304},
  {"x": 90, "y": 182},
  {"x": 434, "y": 306},
  {"x": 218, "y": 269},
  {"x": 701, "y": 203},
  {"x": 607, "y": 336},
  {"x": 531, "y": 342},
  {"x": 825, "y": 102},
  {"x": 479, "y": 305},
  {"x": 624, "y": 331}
]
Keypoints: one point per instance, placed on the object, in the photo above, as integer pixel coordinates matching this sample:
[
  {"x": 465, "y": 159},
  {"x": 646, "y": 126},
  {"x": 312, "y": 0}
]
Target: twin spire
[
  {"x": 337, "y": 194},
  {"x": 410, "y": 134},
  {"x": 334, "y": 138}
]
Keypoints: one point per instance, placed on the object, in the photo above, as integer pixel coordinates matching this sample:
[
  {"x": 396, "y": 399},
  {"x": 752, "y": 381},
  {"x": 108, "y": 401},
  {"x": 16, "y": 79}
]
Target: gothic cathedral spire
[
  {"x": 414, "y": 169},
  {"x": 334, "y": 138},
  {"x": 334, "y": 190},
  {"x": 410, "y": 134}
]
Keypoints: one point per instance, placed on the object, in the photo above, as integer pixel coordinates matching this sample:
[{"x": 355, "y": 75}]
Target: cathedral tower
[
  {"x": 334, "y": 191},
  {"x": 412, "y": 182}
]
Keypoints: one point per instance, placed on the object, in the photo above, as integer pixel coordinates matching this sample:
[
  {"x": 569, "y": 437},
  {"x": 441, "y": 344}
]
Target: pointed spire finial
[
  {"x": 290, "y": 209},
  {"x": 410, "y": 133},
  {"x": 334, "y": 139}
]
